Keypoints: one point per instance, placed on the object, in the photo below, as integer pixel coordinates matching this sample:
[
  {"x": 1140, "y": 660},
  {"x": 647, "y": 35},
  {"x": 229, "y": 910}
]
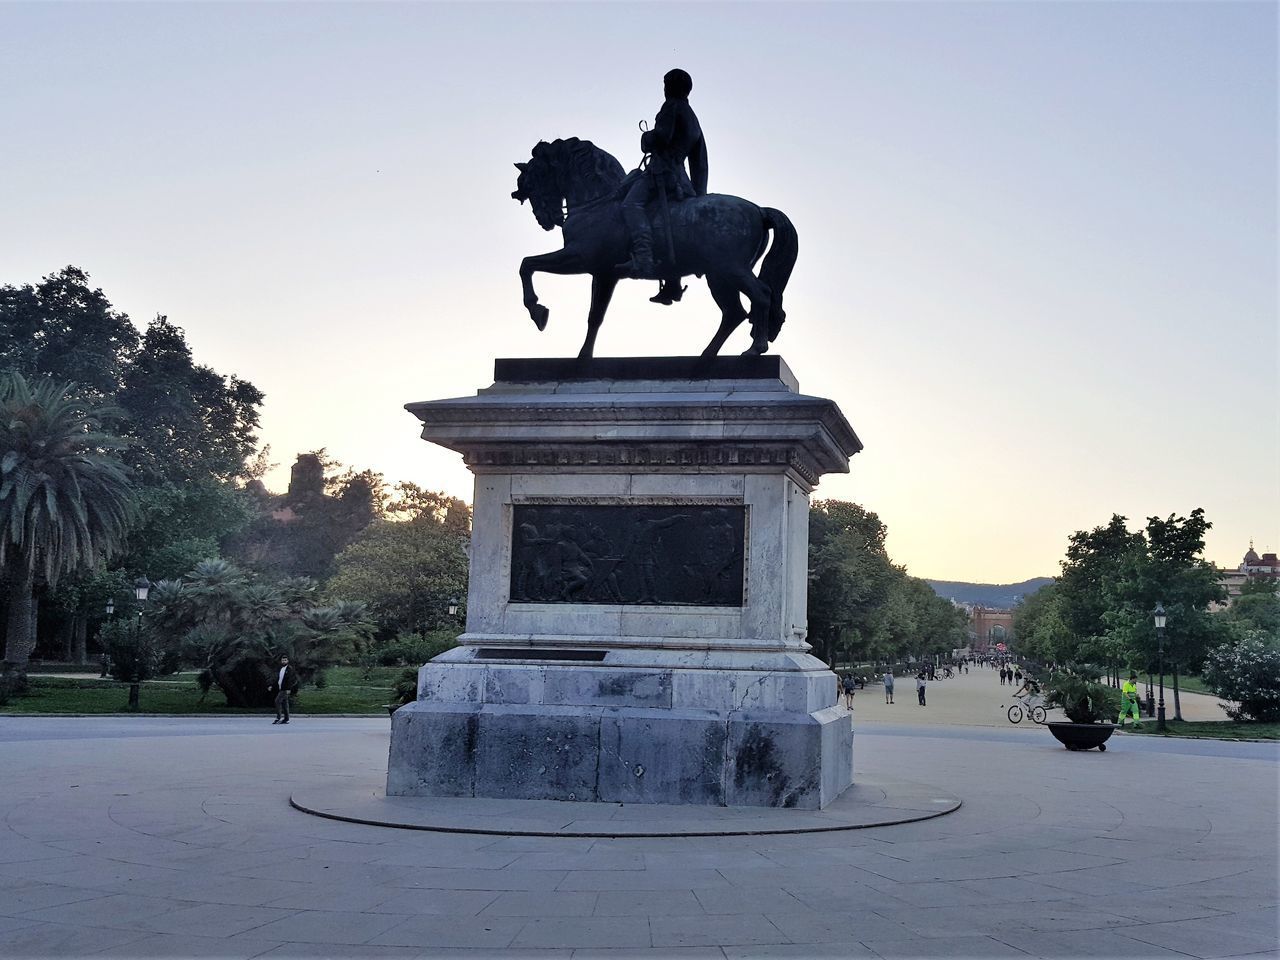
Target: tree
[
  {"x": 850, "y": 578},
  {"x": 862, "y": 606},
  {"x": 411, "y": 502},
  {"x": 179, "y": 525},
  {"x": 65, "y": 499},
  {"x": 1094, "y": 562},
  {"x": 1167, "y": 567},
  {"x": 1040, "y": 629},
  {"x": 1256, "y": 609},
  {"x": 325, "y": 508},
  {"x": 406, "y": 571},
  {"x": 190, "y": 430},
  {"x": 64, "y": 331},
  {"x": 188, "y": 421},
  {"x": 1112, "y": 579},
  {"x": 79, "y": 602}
]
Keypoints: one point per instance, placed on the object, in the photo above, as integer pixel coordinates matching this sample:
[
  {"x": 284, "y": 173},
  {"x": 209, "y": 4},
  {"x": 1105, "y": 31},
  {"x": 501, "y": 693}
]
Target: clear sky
[{"x": 1038, "y": 264}]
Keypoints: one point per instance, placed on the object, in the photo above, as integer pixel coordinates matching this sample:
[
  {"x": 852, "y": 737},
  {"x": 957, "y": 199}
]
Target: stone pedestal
[{"x": 636, "y": 614}]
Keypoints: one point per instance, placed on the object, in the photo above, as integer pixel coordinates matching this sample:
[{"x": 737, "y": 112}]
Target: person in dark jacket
[{"x": 284, "y": 683}]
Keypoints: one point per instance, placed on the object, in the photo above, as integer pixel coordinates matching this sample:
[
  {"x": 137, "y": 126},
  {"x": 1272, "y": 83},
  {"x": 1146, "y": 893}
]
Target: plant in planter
[
  {"x": 1090, "y": 707},
  {"x": 406, "y": 687}
]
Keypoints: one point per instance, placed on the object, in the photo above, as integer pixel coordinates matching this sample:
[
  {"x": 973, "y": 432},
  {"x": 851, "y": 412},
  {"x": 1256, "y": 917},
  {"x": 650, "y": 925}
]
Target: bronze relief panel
[{"x": 651, "y": 554}]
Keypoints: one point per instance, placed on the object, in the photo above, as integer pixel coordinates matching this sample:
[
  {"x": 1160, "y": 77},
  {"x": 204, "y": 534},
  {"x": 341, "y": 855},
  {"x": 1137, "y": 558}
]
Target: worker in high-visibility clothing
[{"x": 1129, "y": 700}]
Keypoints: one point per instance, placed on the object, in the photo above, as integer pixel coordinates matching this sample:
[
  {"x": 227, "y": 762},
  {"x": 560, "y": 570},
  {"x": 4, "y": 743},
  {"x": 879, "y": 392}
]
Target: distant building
[
  {"x": 988, "y": 627},
  {"x": 1252, "y": 567}
]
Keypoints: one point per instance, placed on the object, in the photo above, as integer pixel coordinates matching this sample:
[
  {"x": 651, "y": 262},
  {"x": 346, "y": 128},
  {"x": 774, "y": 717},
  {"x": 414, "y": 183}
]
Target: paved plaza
[{"x": 160, "y": 837}]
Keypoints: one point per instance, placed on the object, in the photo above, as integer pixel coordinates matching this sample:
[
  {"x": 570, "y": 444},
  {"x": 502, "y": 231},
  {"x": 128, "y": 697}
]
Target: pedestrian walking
[
  {"x": 920, "y": 687},
  {"x": 1129, "y": 701},
  {"x": 849, "y": 685},
  {"x": 888, "y": 686},
  {"x": 1017, "y": 675},
  {"x": 285, "y": 683}
]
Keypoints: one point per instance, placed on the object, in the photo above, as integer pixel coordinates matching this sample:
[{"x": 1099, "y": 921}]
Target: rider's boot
[
  {"x": 641, "y": 263},
  {"x": 669, "y": 292}
]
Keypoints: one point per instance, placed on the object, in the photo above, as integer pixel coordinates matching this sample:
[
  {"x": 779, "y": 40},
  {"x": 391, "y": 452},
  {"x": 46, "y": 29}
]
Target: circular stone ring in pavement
[{"x": 865, "y": 804}]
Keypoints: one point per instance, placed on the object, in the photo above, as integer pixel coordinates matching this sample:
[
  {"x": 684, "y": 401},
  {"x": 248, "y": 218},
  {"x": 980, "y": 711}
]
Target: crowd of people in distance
[
  {"x": 1011, "y": 674},
  {"x": 849, "y": 683}
]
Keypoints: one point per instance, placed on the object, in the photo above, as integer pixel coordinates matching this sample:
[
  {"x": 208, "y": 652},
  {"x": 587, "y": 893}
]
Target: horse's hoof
[{"x": 539, "y": 314}]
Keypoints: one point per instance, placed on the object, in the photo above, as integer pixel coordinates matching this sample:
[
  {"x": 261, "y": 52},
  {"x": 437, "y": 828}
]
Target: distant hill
[{"x": 1000, "y": 595}]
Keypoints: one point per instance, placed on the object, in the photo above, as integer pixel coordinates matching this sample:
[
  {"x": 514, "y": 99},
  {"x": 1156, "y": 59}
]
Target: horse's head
[{"x": 539, "y": 185}]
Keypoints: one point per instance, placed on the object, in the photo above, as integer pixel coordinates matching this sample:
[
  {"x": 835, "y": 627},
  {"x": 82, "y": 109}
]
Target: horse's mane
[{"x": 583, "y": 161}]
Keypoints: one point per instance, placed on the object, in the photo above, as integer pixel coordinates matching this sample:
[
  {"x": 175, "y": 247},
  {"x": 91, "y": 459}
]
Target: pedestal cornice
[{"x": 644, "y": 424}]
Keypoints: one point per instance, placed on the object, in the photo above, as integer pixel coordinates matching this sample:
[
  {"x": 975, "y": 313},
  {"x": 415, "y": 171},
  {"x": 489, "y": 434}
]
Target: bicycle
[{"x": 1033, "y": 709}]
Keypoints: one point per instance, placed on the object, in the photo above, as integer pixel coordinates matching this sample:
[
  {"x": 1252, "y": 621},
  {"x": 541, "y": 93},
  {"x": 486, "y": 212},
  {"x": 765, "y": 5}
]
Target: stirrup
[{"x": 670, "y": 292}]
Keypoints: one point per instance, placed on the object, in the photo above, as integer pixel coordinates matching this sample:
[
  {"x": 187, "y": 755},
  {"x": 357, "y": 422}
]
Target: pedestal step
[{"x": 620, "y": 754}]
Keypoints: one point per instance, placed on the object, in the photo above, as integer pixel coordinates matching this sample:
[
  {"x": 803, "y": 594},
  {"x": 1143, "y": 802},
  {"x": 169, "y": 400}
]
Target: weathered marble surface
[{"x": 667, "y": 703}]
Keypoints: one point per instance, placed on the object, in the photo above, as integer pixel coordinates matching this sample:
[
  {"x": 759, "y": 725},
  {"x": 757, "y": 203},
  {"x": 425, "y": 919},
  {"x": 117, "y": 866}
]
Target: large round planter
[{"x": 1082, "y": 736}]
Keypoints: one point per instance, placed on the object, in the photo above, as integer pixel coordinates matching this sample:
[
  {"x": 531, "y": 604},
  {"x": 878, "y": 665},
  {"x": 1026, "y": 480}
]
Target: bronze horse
[{"x": 575, "y": 185}]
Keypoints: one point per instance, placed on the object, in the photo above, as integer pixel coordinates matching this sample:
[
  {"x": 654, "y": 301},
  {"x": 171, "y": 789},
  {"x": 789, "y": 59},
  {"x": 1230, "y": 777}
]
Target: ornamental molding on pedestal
[{"x": 612, "y": 456}]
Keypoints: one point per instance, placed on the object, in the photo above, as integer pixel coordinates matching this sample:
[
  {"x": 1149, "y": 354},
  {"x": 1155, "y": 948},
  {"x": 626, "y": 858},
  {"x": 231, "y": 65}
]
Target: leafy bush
[
  {"x": 235, "y": 628},
  {"x": 406, "y": 687},
  {"x": 1249, "y": 673},
  {"x": 134, "y": 653},
  {"x": 413, "y": 650},
  {"x": 1082, "y": 697}
]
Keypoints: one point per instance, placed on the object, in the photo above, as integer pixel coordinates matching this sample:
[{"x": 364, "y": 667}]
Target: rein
[
  {"x": 585, "y": 204},
  {"x": 564, "y": 206}
]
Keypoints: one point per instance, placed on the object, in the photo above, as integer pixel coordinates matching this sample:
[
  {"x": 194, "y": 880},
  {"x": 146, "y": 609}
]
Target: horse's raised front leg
[
  {"x": 562, "y": 262},
  {"x": 602, "y": 287}
]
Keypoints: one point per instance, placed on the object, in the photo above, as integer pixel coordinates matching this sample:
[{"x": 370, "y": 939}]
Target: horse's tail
[{"x": 778, "y": 264}]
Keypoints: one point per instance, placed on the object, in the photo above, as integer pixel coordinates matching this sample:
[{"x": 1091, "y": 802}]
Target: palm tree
[{"x": 65, "y": 498}]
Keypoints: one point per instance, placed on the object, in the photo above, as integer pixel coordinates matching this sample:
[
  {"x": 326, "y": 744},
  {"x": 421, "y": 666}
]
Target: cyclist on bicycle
[
  {"x": 1029, "y": 689},
  {"x": 1034, "y": 702}
]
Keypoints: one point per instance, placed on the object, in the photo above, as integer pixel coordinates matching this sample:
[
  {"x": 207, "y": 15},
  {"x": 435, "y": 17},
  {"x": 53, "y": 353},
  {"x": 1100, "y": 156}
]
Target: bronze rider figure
[{"x": 676, "y": 137}]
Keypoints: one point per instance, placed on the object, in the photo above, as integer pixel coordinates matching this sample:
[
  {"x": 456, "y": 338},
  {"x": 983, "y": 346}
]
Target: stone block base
[{"x": 620, "y": 754}]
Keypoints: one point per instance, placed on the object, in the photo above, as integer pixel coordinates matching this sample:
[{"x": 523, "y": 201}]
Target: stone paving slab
[
  {"x": 139, "y": 838},
  {"x": 865, "y": 804}
]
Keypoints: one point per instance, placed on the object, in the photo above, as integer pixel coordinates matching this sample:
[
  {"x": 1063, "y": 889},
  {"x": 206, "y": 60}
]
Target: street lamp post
[
  {"x": 106, "y": 659},
  {"x": 141, "y": 587},
  {"x": 1158, "y": 616}
]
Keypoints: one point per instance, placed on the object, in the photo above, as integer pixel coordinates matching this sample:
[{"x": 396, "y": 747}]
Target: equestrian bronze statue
[{"x": 655, "y": 224}]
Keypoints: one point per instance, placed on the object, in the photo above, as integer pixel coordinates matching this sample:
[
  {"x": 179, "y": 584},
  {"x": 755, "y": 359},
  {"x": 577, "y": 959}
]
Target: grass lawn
[
  {"x": 1212, "y": 729},
  {"x": 1186, "y": 685},
  {"x": 346, "y": 691}
]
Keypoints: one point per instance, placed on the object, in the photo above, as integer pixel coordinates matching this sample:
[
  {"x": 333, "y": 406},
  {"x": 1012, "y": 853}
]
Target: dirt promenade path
[{"x": 978, "y": 699}]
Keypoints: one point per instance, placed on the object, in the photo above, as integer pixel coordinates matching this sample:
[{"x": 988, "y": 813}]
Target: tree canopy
[
  {"x": 408, "y": 570},
  {"x": 1100, "y": 609},
  {"x": 183, "y": 433},
  {"x": 862, "y": 606}
]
